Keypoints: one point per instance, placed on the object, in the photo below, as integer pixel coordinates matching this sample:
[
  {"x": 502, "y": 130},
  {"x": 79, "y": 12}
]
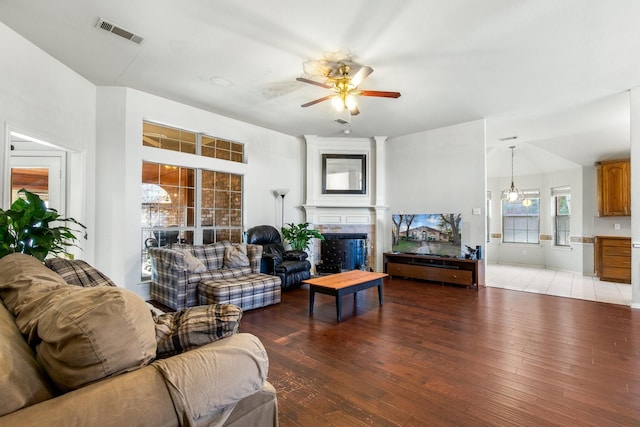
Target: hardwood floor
[{"x": 440, "y": 355}]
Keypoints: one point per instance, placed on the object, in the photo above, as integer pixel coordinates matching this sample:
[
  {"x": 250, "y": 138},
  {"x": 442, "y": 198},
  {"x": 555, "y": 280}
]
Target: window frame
[
  {"x": 189, "y": 219},
  {"x": 529, "y": 195},
  {"x": 556, "y": 194}
]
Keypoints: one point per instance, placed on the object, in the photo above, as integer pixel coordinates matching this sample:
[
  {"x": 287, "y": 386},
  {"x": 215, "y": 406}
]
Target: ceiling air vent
[
  {"x": 107, "y": 26},
  {"x": 341, "y": 121}
]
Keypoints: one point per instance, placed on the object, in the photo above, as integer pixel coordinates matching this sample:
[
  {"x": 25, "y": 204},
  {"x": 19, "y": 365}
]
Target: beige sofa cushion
[
  {"x": 213, "y": 378},
  {"x": 80, "y": 334},
  {"x": 22, "y": 381},
  {"x": 86, "y": 334}
]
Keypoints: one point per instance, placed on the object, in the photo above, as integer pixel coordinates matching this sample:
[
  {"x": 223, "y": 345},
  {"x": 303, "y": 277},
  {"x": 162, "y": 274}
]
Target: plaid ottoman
[{"x": 247, "y": 291}]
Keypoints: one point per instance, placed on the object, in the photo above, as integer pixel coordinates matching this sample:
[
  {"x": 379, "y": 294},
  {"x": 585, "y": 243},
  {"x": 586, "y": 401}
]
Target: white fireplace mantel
[{"x": 348, "y": 212}]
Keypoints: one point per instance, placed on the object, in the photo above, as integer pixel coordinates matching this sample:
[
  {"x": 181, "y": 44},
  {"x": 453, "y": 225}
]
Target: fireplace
[{"x": 342, "y": 252}]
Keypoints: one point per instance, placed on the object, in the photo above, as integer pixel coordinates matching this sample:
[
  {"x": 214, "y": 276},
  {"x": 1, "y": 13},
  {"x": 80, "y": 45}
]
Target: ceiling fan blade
[
  {"x": 354, "y": 111},
  {"x": 382, "y": 94},
  {"x": 313, "y": 82},
  {"x": 315, "y": 101},
  {"x": 362, "y": 74}
]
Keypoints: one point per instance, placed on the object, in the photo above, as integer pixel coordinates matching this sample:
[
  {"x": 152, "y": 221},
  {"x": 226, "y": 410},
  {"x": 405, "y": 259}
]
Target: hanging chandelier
[{"x": 512, "y": 194}]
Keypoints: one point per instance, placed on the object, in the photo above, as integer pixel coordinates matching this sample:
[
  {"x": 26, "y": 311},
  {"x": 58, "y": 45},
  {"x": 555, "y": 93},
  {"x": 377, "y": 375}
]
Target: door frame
[{"x": 60, "y": 157}]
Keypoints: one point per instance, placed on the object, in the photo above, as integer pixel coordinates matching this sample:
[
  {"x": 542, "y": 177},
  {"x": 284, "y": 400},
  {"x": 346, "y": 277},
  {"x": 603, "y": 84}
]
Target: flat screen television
[{"x": 427, "y": 234}]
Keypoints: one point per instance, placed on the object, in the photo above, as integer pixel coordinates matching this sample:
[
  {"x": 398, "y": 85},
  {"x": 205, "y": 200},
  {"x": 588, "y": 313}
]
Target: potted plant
[
  {"x": 29, "y": 227},
  {"x": 299, "y": 236}
]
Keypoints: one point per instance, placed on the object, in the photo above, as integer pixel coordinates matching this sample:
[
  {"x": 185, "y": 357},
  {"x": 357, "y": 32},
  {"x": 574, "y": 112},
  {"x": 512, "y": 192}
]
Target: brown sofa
[{"x": 73, "y": 356}]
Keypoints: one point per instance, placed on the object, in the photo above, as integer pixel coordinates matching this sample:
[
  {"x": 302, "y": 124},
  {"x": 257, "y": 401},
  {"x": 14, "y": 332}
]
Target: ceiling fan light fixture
[
  {"x": 344, "y": 84},
  {"x": 338, "y": 103},
  {"x": 350, "y": 102}
]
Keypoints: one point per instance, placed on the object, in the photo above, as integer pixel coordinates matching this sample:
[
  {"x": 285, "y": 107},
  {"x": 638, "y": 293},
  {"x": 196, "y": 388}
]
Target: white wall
[
  {"x": 44, "y": 99},
  {"x": 274, "y": 160},
  {"x": 441, "y": 170},
  {"x": 545, "y": 253}
]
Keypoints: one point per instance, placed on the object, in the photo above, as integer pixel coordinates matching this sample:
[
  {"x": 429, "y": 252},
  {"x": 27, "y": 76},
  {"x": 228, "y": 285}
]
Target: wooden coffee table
[{"x": 340, "y": 284}]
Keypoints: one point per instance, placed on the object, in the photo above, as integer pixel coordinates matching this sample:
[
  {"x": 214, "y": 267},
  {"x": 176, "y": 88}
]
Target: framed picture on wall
[{"x": 344, "y": 174}]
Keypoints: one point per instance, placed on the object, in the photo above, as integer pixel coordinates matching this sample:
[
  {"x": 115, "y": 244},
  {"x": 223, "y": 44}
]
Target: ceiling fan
[{"x": 345, "y": 85}]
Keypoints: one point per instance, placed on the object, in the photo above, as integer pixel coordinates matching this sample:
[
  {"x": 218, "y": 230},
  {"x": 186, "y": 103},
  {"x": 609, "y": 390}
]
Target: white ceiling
[{"x": 554, "y": 73}]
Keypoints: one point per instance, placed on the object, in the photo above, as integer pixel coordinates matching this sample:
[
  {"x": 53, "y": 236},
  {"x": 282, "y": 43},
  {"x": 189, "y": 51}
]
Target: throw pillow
[
  {"x": 196, "y": 326},
  {"x": 86, "y": 334},
  {"x": 236, "y": 256},
  {"x": 78, "y": 272},
  {"x": 194, "y": 265}
]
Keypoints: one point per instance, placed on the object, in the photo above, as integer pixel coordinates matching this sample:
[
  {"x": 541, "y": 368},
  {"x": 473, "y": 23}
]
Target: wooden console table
[{"x": 459, "y": 271}]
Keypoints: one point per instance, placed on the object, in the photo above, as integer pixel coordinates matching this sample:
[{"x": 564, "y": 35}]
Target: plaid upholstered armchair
[{"x": 180, "y": 275}]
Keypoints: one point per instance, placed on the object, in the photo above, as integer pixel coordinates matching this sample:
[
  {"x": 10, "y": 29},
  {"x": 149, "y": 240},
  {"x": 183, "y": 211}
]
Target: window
[
  {"x": 521, "y": 219},
  {"x": 222, "y": 149},
  {"x": 188, "y": 205},
  {"x": 221, "y": 207},
  {"x": 171, "y": 201},
  {"x": 562, "y": 210},
  {"x": 168, "y": 138}
]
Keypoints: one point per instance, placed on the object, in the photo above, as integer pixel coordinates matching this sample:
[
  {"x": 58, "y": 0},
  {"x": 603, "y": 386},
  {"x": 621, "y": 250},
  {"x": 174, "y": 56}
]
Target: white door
[{"x": 42, "y": 175}]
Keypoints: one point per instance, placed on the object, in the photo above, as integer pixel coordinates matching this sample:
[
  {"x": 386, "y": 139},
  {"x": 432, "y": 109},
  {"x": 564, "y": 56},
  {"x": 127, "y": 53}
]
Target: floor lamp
[{"x": 282, "y": 192}]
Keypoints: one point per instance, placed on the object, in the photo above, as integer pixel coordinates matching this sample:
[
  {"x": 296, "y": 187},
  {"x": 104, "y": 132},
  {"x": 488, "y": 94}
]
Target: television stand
[{"x": 457, "y": 271}]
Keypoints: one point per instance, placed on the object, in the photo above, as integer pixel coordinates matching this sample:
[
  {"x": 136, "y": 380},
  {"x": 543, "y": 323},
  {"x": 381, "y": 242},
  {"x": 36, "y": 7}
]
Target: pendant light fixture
[{"x": 512, "y": 194}]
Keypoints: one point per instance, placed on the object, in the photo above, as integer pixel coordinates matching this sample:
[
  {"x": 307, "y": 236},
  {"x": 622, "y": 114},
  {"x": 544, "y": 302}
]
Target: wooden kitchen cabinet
[
  {"x": 613, "y": 258},
  {"x": 614, "y": 188}
]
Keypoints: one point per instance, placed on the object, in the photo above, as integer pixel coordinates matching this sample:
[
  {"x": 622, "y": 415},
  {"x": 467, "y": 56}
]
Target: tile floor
[{"x": 559, "y": 283}]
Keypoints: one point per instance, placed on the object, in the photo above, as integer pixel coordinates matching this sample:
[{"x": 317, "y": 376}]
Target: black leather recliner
[{"x": 291, "y": 266}]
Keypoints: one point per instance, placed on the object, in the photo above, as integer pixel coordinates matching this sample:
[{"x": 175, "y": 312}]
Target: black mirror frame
[{"x": 361, "y": 157}]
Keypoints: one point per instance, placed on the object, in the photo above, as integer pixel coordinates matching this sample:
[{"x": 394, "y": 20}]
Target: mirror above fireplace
[{"x": 344, "y": 173}]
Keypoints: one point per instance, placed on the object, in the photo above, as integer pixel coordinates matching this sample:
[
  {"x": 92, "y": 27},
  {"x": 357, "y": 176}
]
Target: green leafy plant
[
  {"x": 29, "y": 227},
  {"x": 300, "y": 235}
]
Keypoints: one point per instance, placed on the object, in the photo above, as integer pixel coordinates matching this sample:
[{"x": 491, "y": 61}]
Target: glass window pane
[
  {"x": 207, "y": 217},
  {"x": 236, "y": 218},
  {"x": 237, "y": 157},
  {"x": 170, "y": 144},
  {"x": 169, "y": 175},
  {"x": 189, "y": 137},
  {"x": 191, "y": 218},
  {"x": 208, "y": 236},
  {"x": 207, "y": 198},
  {"x": 222, "y": 181},
  {"x": 188, "y": 147},
  {"x": 235, "y": 201},
  {"x": 236, "y": 182},
  {"x": 520, "y": 236},
  {"x": 235, "y": 235},
  {"x": 150, "y": 173},
  {"x": 223, "y": 234},
  {"x": 508, "y": 236},
  {"x": 223, "y": 154}
]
